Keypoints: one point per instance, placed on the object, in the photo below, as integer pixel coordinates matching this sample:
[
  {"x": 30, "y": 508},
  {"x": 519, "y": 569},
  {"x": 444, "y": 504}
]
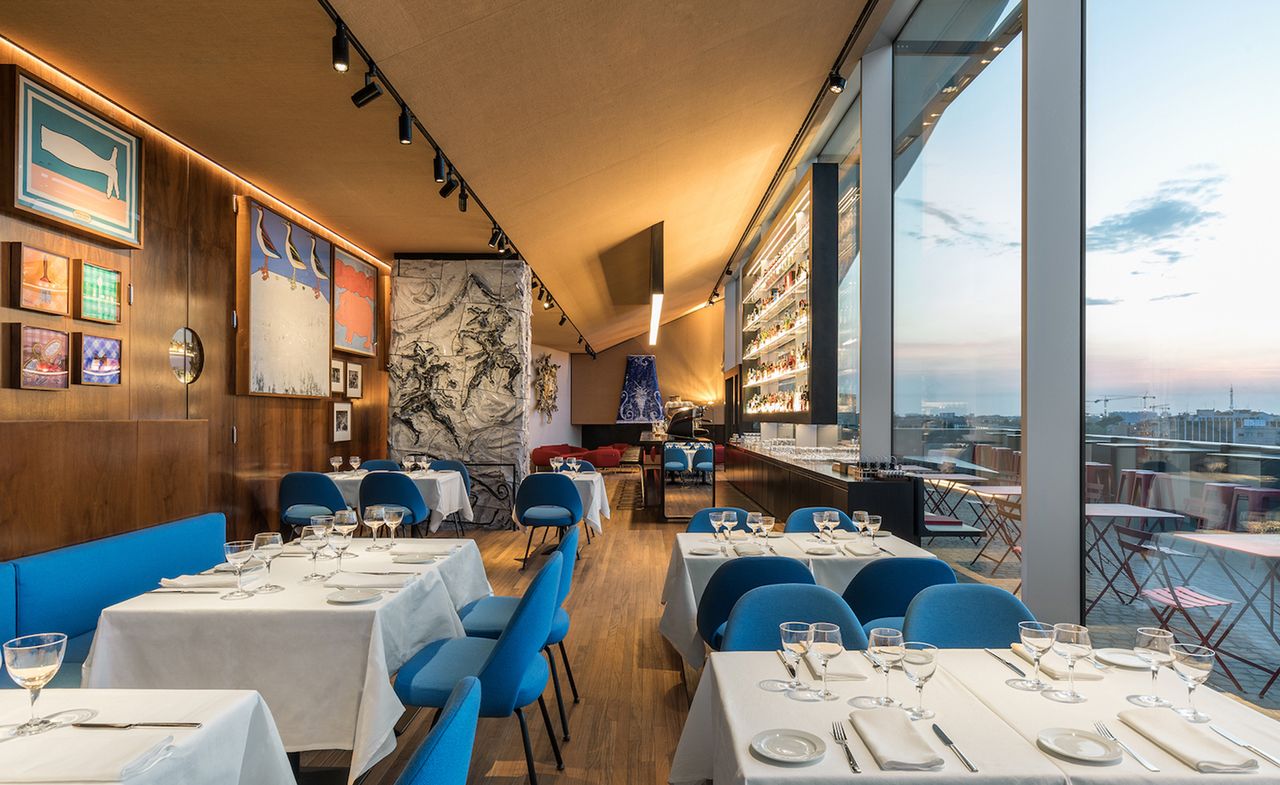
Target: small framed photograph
[
  {"x": 41, "y": 280},
  {"x": 341, "y": 421},
  {"x": 355, "y": 380},
  {"x": 337, "y": 376},
  {"x": 98, "y": 291},
  {"x": 99, "y": 360},
  {"x": 41, "y": 356}
]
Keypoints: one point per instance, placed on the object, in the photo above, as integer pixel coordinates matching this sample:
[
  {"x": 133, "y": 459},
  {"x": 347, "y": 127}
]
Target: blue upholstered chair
[
  {"x": 380, "y": 465},
  {"x": 487, "y": 617},
  {"x": 396, "y": 490},
  {"x": 446, "y": 465},
  {"x": 735, "y": 578},
  {"x": 545, "y": 500},
  {"x": 583, "y": 466},
  {"x": 303, "y": 494},
  {"x": 802, "y": 520},
  {"x": 881, "y": 591},
  {"x": 512, "y": 674},
  {"x": 704, "y": 460},
  {"x": 753, "y": 622},
  {"x": 675, "y": 459},
  {"x": 444, "y": 757},
  {"x": 700, "y": 523},
  {"x": 965, "y": 616}
]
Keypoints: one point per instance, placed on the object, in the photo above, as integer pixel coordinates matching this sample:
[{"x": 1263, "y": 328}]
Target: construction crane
[{"x": 1107, "y": 399}]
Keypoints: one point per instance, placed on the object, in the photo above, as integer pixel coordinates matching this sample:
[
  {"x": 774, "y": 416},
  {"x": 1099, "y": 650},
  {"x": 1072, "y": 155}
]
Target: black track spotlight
[
  {"x": 495, "y": 236},
  {"x": 341, "y": 50},
  {"x": 563, "y": 319},
  {"x": 546, "y": 306},
  {"x": 439, "y": 166},
  {"x": 370, "y": 91},
  {"x": 836, "y": 82},
  {"x": 406, "y": 126},
  {"x": 462, "y": 199},
  {"x": 536, "y": 283},
  {"x": 450, "y": 185},
  {"x": 579, "y": 340}
]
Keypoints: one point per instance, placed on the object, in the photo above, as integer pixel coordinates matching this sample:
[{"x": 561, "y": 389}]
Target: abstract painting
[
  {"x": 74, "y": 167},
  {"x": 338, "y": 377},
  {"x": 100, "y": 359},
  {"x": 546, "y": 387},
  {"x": 341, "y": 422},
  {"x": 41, "y": 280},
  {"x": 283, "y": 291},
  {"x": 355, "y": 304},
  {"x": 355, "y": 380},
  {"x": 640, "y": 400},
  {"x": 97, "y": 293},
  {"x": 42, "y": 358}
]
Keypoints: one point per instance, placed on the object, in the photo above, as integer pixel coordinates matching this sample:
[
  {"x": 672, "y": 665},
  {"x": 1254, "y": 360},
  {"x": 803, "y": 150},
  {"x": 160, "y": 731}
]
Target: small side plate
[
  {"x": 353, "y": 596},
  {"x": 1122, "y": 658},
  {"x": 704, "y": 550},
  {"x": 414, "y": 558},
  {"x": 784, "y": 745},
  {"x": 1079, "y": 745}
]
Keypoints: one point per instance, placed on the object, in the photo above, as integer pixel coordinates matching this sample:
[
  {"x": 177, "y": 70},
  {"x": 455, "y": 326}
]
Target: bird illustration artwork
[
  {"x": 295, "y": 258},
  {"x": 267, "y": 247},
  {"x": 315, "y": 268}
]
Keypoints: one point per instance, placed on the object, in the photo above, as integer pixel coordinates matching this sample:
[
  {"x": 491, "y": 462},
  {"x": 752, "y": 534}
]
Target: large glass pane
[
  {"x": 1182, "y": 382},
  {"x": 848, "y": 322}
]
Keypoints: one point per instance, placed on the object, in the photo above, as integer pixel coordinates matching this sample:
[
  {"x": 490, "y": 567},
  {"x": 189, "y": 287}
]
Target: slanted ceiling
[{"x": 580, "y": 123}]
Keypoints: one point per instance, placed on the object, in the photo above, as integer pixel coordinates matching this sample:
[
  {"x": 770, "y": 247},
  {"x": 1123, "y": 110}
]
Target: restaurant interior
[{"x": 404, "y": 392}]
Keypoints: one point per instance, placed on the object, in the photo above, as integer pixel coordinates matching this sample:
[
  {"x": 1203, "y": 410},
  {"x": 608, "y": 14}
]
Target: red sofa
[{"x": 601, "y": 458}]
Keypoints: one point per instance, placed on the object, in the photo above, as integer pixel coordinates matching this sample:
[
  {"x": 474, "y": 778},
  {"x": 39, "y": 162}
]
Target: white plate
[
  {"x": 1122, "y": 658},
  {"x": 414, "y": 558},
  {"x": 820, "y": 550},
  {"x": 704, "y": 551},
  {"x": 788, "y": 746},
  {"x": 353, "y": 596},
  {"x": 1079, "y": 745}
]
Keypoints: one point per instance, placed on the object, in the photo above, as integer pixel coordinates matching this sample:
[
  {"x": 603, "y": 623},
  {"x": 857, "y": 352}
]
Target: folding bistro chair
[{"x": 1006, "y": 530}]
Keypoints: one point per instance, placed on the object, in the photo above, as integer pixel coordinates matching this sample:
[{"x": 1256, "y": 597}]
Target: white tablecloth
[
  {"x": 323, "y": 669},
  {"x": 443, "y": 491},
  {"x": 687, "y": 577},
  {"x": 237, "y": 745},
  {"x": 595, "y": 499}
]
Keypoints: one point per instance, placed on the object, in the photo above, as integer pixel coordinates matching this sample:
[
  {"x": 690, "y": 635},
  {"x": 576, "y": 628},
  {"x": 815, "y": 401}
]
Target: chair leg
[
  {"x": 435, "y": 717},
  {"x": 525, "y": 561},
  {"x": 528, "y": 748},
  {"x": 555, "y": 682},
  {"x": 569, "y": 672},
  {"x": 551, "y": 734}
]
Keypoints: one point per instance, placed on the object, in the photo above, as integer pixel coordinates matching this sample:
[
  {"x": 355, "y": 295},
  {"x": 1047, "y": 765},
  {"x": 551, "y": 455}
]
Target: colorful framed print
[
  {"x": 341, "y": 421},
  {"x": 98, "y": 293},
  {"x": 355, "y": 304},
  {"x": 41, "y": 279},
  {"x": 355, "y": 380},
  {"x": 99, "y": 360},
  {"x": 282, "y": 298},
  {"x": 41, "y": 358},
  {"x": 337, "y": 377},
  {"x": 74, "y": 167}
]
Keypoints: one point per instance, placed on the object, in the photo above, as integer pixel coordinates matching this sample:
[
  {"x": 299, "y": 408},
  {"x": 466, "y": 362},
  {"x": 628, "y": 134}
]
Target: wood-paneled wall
[{"x": 99, "y": 482}]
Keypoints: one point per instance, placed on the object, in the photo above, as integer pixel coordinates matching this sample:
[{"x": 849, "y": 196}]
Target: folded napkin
[
  {"x": 821, "y": 550},
  {"x": 352, "y": 580},
  {"x": 844, "y": 534},
  {"x": 893, "y": 740},
  {"x": 416, "y": 549},
  {"x": 858, "y": 549},
  {"x": 215, "y": 580},
  {"x": 1198, "y": 748},
  {"x": 1055, "y": 667},
  {"x": 71, "y": 755},
  {"x": 842, "y": 668},
  {"x": 748, "y": 549}
]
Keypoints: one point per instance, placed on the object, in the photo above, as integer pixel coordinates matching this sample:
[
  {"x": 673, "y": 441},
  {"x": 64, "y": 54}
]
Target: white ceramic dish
[
  {"x": 1122, "y": 658},
  {"x": 704, "y": 551},
  {"x": 784, "y": 745},
  {"x": 1079, "y": 745},
  {"x": 414, "y": 558},
  {"x": 353, "y": 596}
]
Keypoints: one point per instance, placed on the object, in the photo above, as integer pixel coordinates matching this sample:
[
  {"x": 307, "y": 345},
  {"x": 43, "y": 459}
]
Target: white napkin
[
  {"x": 351, "y": 580},
  {"x": 821, "y": 550},
  {"x": 748, "y": 549},
  {"x": 1055, "y": 667},
  {"x": 894, "y": 741},
  {"x": 1197, "y": 748},
  {"x": 406, "y": 548},
  {"x": 216, "y": 580},
  {"x": 91, "y": 756},
  {"x": 861, "y": 549},
  {"x": 842, "y": 668}
]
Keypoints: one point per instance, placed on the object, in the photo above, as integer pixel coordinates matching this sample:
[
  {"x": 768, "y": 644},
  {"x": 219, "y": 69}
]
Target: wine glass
[
  {"x": 556, "y": 463},
  {"x": 374, "y": 518},
  {"x": 336, "y": 462},
  {"x": 1070, "y": 642},
  {"x": 355, "y": 463},
  {"x": 32, "y": 661},
  {"x": 873, "y": 526},
  {"x": 885, "y": 645},
  {"x": 717, "y": 523},
  {"x": 267, "y": 546},
  {"x": 1152, "y": 646},
  {"x": 919, "y": 661},
  {"x": 347, "y": 522},
  {"x": 1037, "y": 637},
  {"x": 420, "y": 462},
  {"x": 312, "y": 541},
  {"x": 238, "y": 552},
  {"x": 1193, "y": 663},
  {"x": 753, "y": 521},
  {"x": 392, "y": 517},
  {"x": 833, "y": 523},
  {"x": 819, "y": 522},
  {"x": 767, "y": 524},
  {"x": 406, "y": 463},
  {"x": 859, "y": 518},
  {"x": 339, "y": 540},
  {"x": 796, "y": 636},
  {"x": 574, "y": 463},
  {"x": 825, "y": 644}
]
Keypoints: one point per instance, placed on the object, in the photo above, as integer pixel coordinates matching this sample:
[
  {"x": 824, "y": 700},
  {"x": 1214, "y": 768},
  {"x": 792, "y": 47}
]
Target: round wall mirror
[{"x": 186, "y": 355}]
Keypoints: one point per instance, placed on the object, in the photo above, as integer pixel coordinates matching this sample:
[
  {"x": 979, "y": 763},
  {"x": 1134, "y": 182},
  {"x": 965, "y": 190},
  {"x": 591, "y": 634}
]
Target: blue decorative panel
[{"x": 641, "y": 401}]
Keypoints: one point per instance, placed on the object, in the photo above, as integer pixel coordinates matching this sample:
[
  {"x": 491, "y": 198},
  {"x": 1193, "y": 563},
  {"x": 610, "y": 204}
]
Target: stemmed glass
[
  {"x": 556, "y": 463},
  {"x": 406, "y": 463},
  {"x": 919, "y": 661},
  {"x": 833, "y": 523},
  {"x": 767, "y": 522},
  {"x": 32, "y": 661},
  {"x": 1152, "y": 646},
  {"x": 1070, "y": 642},
  {"x": 819, "y": 523},
  {"x": 753, "y": 522},
  {"x": 355, "y": 463},
  {"x": 885, "y": 646},
  {"x": 1037, "y": 637},
  {"x": 392, "y": 516},
  {"x": 267, "y": 546},
  {"x": 873, "y": 526},
  {"x": 796, "y": 637},
  {"x": 346, "y": 522},
  {"x": 717, "y": 523},
  {"x": 420, "y": 462},
  {"x": 859, "y": 518},
  {"x": 374, "y": 519},
  {"x": 312, "y": 541},
  {"x": 336, "y": 462},
  {"x": 574, "y": 463},
  {"x": 825, "y": 644},
  {"x": 1193, "y": 663},
  {"x": 339, "y": 541},
  {"x": 238, "y": 552}
]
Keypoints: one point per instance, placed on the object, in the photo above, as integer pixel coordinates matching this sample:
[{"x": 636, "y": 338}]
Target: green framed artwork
[
  {"x": 98, "y": 293},
  {"x": 72, "y": 166}
]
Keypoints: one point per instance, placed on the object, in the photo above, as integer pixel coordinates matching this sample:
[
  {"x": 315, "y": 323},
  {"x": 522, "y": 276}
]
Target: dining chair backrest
[
  {"x": 754, "y": 621},
  {"x": 548, "y": 489},
  {"x": 735, "y": 578},
  {"x": 380, "y": 465},
  {"x": 521, "y": 640},
  {"x": 700, "y": 523},
  {"x": 704, "y": 455},
  {"x": 583, "y": 466},
  {"x": 311, "y": 488},
  {"x": 444, "y": 757},
  {"x": 568, "y": 548},
  {"x": 886, "y": 587},
  {"x": 802, "y": 519},
  {"x": 965, "y": 616},
  {"x": 397, "y": 489},
  {"x": 449, "y": 465},
  {"x": 675, "y": 459}
]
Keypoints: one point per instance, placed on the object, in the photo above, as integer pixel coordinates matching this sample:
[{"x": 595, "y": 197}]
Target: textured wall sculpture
[
  {"x": 546, "y": 387},
  {"x": 460, "y": 370}
]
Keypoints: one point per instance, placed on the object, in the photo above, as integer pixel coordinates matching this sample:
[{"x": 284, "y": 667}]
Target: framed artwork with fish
[
  {"x": 355, "y": 304},
  {"x": 41, "y": 280},
  {"x": 41, "y": 357},
  {"x": 73, "y": 167},
  {"x": 283, "y": 289}
]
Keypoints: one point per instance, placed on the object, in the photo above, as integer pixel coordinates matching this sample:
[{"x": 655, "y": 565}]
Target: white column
[
  {"x": 875, "y": 371},
  {"x": 1052, "y": 319}
]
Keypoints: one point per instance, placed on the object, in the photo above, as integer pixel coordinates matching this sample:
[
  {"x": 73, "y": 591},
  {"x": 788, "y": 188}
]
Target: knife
[
  {"x": 790, "y": 668},
  {"x": 1239, "y": 742},
  {"x": 128, "y": 725},
  {"x": 947, "y": 741},
  {"x": 1007, "y": 664}
]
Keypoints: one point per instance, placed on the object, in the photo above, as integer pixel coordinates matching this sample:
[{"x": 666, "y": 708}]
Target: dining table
[
  {"x": 695, "y": 557},
  {"x": 235, "y": 743},
  {"x": 443, "y": 490},
  {"x": 323, "y": 664}
]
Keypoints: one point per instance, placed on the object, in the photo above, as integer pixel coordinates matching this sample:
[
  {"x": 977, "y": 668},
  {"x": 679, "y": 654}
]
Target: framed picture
[
  {"x": 355, "y": 380},
  {"x": 41, "y": 358},
  {"x": 99, "y": 360},
  {"x": 341, "y": 421},
  {"x": 73, "y": 167},
  {"x": 338, "y": 377},
  {"x": 41, "y": 279},
  {"x": 282, "y": 299},
  {"x": 98, "y": 291},
  {"x": 355, "y": 304}
]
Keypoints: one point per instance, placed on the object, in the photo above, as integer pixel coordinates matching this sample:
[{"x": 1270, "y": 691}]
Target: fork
[
  {"x": 1106, "y": 733},
  {"x": 837, "y": 733}
]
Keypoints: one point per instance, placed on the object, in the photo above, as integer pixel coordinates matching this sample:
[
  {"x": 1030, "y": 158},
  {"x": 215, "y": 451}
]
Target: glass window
[{"x": 846, "y": 145}]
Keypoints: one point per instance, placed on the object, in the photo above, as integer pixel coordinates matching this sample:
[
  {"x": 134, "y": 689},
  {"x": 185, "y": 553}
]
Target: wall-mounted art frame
[
  {"x": 40, "y": 358},
  {"x": 40, "y": 280},
  {"x": 282, "y": 301},
  {"x": 98, "y": 293},
  {"x": 355, "y": 304},
  {"x": 337, "y": 376},
  {"x": 72, "y": 167},
  {"x": 355, "y": 380},
  {"x": 98, "y": 360},
  {"x": 341, "y": 421}
]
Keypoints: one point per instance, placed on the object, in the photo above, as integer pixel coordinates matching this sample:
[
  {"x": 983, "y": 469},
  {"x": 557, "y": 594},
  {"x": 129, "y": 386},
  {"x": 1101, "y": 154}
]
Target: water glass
[
  {"x": 373, "y": 518},
  {"x": 32, "y": 661},
  {"x": 392, "y": 517},
  {"x": 1070, "y": 642},
  {"x": 339, "y": 541},
  {"x": 556, "y": 463},
  {"x": 767, "y": 522},
  {"x": 919, "y": 661},
  {"x": 336, "y": 462},
  {"x": 796, "y": 638},
  {"x": 347, "y": 522},
  {"x": 1152, "y": 646},
  {"x": 1193, "y": 664},
  {"x": 753, "y": 522},
  {"x": 312, "y": 541},
  {"x": 406, "y": 463},
  {"x": 885, "y": 646},
  {"x": 825, "y": 644},
  {"x": 238, "y": 552},
  {"x": 267, "y": 546},
  {"x": 1037, "y": 638},
  {"x": 574, "y": 463},
  {"x": 717, "y": 523},
  {"x": 873, "y": 525},
  {"x": 833, "y": 522},
  {"x": 355, "y": 463},
  {"x": 819, "y": 522}
]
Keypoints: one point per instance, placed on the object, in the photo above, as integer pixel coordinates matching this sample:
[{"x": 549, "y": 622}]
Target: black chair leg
[
  {"x": 551, "y": 734},
  {"x": 525, "y": 561},
  {"x": 528, "y": 748},
  {"x": 569, "y": 672},
  {"x": 435, "y": 717},
  {"x": 555, "y": 682}
]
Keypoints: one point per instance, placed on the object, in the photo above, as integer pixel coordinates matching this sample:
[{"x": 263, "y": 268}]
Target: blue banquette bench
[{"x": 66, "y": 589}]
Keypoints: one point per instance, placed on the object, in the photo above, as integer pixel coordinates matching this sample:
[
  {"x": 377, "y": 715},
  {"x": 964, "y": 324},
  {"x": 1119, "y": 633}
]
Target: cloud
[
  {"x": 1178, "y": 296},
  {"x": 1102, "y": 301},
  {"x": 958, "y": 228},
  {"x": 1176, "y": 207}
]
